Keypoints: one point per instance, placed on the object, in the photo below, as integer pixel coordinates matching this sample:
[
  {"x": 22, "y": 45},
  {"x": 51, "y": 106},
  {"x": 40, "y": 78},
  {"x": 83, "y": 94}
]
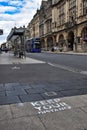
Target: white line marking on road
[
  {"x": 63, "y": 67},
  {"x": 68, "y": 68},
  {"x": 51, "y": 64}
]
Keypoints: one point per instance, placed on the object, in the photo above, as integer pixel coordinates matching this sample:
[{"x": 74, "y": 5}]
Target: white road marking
[
  {"x": 15, "y": 68},
  {"x": 68, "y": 68}
]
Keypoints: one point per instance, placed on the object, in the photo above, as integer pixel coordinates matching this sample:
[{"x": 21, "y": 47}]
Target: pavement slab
[
  {"x": 75, "y": 101},
  {"x": 22, "y": 110},
  {"x": 5, "y": 113},
  {"x": 39, "y": 85},
  {"x": 51, "y": 94},
  {"x": 74, "y": 92},
  {"x": 35, "y": 90},
  {"x": 84, "y": 109},
  {"x": 2, "y": 94},
  {"x": 30, "y": 98},
  {"x": 2, "y": 88},
  {"x": 25, "y": 123},
  {"x": 73, "y": 119},
  {"x": 9, "y": 100},
  {"x": 84, "y": 97},
  {"x": 15, "y": 92},
  {"x": 22, "y": 87}
]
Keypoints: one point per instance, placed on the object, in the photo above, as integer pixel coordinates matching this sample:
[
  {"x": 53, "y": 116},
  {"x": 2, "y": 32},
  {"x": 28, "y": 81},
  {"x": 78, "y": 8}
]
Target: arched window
[
  {"x": 61, "y": 40},
  {"x": 85, "y": 7},
  {"x": 72, "y": 10},
  {"x": 84, "y": 33}
]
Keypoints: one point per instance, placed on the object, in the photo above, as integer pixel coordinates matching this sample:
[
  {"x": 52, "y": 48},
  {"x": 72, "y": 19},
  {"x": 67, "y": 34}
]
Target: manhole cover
[{"x": 50, "y": 93}]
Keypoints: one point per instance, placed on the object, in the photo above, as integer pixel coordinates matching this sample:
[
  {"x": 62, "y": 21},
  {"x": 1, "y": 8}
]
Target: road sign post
[{"x": 1, "y": 31}]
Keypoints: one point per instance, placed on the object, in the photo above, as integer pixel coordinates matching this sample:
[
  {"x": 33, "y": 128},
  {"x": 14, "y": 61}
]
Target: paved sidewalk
[
  {"x": 9, "y": 58},
  {"x": 68, "y": 53},
  {"x": 73, "y": 53}
]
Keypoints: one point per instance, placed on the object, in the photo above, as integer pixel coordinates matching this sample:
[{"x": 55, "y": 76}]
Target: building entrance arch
[
  {"x": 49, "y": 42},
  {"x": 42, "y": 43},
  {"x": 61, "y": 40},
  {"x": 70, "y": 40}
]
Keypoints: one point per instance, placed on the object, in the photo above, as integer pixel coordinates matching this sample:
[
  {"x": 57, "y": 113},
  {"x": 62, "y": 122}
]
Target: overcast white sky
[{"x": 16, "y": 13}]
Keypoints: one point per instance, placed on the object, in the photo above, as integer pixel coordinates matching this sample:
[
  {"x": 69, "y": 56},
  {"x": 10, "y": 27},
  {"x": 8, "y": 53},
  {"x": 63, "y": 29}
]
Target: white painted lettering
[
  {"x": 47, "y": 107},
  {"x": 39, "y": 108},
  {"x": 56, "y": 100},
  {"x": 35, "y": 103},
  {"x": 51, "y": 105}
]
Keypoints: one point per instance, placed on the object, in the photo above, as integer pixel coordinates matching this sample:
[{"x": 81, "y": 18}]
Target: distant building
[
  {"x": 33, "y": 26},
  {"x": 61, "y": 23},
  {"x": 45, "y": 24},
  {"x": 40, "y": 25}
]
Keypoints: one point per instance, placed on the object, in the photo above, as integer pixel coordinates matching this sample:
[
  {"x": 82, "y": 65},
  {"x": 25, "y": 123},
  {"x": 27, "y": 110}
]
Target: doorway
[{"x": 70, "y": 40}]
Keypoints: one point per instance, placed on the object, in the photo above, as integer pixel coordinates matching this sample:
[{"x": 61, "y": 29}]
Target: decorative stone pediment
[{"x": 55, "y": 1}]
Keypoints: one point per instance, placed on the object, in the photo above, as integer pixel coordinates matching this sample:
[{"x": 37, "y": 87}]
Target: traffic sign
[{"x": 1, "y": 31}]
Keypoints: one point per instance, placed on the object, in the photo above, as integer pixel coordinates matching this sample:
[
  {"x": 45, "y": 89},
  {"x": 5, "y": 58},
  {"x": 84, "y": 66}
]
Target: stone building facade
[
  {"x": 69, "y": 19},
  {"x": 33, "y": 26},
  {"x": 61, "y": 23},
  {"x": 41, "y": 24},
  {"x": 45, "y": 24}
]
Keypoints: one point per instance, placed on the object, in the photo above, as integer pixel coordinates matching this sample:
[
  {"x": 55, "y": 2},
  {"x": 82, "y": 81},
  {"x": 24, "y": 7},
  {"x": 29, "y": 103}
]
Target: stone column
[
  {"x": 45, "y": 39},
  {"x": 54, "y": 40},
  {"x": 66, "y": 42}
]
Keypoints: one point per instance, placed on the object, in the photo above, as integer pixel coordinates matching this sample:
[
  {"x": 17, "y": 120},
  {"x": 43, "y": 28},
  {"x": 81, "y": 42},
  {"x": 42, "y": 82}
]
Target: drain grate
[{"x": 50, "y": 93}]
